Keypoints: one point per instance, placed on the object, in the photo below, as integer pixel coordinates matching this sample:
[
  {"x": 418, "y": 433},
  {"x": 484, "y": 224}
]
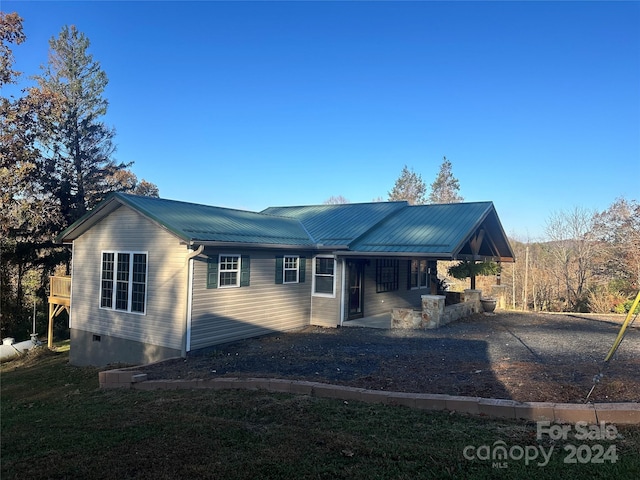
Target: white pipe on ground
[{"x": 9, "y": 350}]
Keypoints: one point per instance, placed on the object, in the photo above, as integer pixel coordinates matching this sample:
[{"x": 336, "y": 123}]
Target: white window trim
[
  {"x": 313, "y": 287},
  {"x": 130, "y": 282},
  {"x": 285, "y": 269},
  {"x": 238, "y": 271}
]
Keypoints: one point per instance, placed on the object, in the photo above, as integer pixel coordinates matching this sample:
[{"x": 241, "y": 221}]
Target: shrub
[
  {"x": 602, "y": 300},
  {"x": 466, "y": 268},
  {"x": 627, "y": 306}
]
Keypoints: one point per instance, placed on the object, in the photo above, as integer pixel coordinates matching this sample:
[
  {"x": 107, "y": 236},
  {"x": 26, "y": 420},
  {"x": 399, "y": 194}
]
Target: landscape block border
[{"x": 567, "y": 413}]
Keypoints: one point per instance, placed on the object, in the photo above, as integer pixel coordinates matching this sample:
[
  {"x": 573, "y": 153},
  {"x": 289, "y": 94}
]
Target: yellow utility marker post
[
  {"x": 616, "y": 344},
  {"x": 634, "y": 305}
]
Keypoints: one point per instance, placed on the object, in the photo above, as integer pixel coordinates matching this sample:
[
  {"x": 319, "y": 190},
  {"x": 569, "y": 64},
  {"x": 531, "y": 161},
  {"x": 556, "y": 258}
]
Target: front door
[{"x": 355, "y": 274}]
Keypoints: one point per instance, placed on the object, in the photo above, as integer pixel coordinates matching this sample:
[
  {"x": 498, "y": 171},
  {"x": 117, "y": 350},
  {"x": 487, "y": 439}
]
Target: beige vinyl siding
[
  {"x": 126, "y": 230},
  {"x": 222, "y": 315},
  {"x": 384, "y": 302},
  {"x": 325, "y": 311}
]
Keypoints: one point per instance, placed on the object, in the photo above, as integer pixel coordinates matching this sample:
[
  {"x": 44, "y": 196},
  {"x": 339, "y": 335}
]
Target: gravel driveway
[{"x": 525, "y": 357}]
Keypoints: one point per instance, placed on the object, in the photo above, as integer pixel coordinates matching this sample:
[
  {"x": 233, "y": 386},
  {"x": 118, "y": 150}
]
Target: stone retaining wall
[
  {"x": 434, "y": 313},
  {"x": 616, "y": 413},
  {"x": 470, "y": 305},
  {"x": 407, "y": 318}
]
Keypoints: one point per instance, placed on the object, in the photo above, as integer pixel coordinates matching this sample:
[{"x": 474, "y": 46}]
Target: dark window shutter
[
  {"x": 409, "y": 275},
  {"x": 212, "y": 272},
  {"x": 302, "y": 265},
  {"x": 244, "y": 271},
  {"x": 279, "y": 269}
]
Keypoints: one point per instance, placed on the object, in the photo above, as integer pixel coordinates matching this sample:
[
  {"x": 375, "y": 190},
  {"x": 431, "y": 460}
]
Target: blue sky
[{"x": 249, "y": 105}]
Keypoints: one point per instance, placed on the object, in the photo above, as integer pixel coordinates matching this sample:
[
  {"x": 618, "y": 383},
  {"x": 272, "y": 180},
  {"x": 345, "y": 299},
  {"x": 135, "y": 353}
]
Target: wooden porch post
[
  {"x": 52, "y": 308},
  {"x": 475, "y": 244},
  {"x": 59, "y": 299}
]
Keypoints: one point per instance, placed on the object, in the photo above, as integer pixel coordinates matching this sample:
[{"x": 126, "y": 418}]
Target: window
[
  {"x": 106, "y": 294},
  {"x": 290, "y": 269},
  {"x": 387, "y": 275},
  {"x": 123, "y": 279},
  {"x": 228, "y": 271},
  {"x": 229, "y": 267},
  {"x": 323, "y": 276},
  {"x": 139, "y": 282},
  {"x": 419, "y": 274}
]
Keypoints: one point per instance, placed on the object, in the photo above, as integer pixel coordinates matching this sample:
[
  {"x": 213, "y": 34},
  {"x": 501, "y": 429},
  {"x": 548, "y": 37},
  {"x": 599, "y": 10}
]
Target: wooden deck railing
[
  {"x": 59, "y": 300},
  {"x": 60, "y": 287}
]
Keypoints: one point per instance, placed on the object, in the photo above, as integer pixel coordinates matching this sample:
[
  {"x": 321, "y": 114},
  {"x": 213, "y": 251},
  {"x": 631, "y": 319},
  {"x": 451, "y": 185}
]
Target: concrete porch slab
[{"x": 382, "y": 320}]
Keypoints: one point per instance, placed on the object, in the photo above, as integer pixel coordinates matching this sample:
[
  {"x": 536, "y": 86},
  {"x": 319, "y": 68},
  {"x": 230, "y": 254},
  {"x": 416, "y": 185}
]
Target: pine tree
[
  {"x": 445, "y": 187},
  {"x": 410, "y": 187},
  {"x": 78, "y": 144},
  {"x": 55, "y": 161},
  {"x": 27, "y": 215}
]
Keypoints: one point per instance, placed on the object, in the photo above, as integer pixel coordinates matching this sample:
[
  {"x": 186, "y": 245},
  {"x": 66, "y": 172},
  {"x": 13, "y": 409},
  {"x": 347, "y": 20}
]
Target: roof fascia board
[
  {"x": 513, "y": 256},
  {"x": 496, "y": 250},
  {"x": 102, "y": 210},
  {"x": 274, "y": 246},
  {"x": 309, "y": 246},
  {"x": 472, "y": 231},
  {"x": 504, "y": 235},
  {"x": 482, "y": 258},
  {"x": 178, "y": 233},
  {"x": 437, "y": 256},
  {"x": 90, "y": 218}
]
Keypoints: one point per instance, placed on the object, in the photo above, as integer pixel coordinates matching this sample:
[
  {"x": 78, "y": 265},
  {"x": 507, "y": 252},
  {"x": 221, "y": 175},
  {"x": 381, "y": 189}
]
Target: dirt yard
[{"x": 524, "y": 357}]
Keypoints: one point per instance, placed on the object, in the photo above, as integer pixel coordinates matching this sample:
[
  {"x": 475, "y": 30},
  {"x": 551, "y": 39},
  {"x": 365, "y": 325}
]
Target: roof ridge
[
  {"x": 332, "y": 205},
  {"x": 452, "y": 203},
  {"x": 182, "y": 202},
  {"x": 377, "y": 224}
]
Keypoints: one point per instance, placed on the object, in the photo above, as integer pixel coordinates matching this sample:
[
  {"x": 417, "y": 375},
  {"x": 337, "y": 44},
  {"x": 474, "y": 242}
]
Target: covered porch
[
  {"x": 433, "y": 314},
  {"x": 381, "y": 320},
  {"x": 391, "y": 275}
]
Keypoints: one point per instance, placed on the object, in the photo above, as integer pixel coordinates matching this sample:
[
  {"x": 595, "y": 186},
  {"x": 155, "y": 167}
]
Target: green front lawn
[{"x": 57, "y": 423}]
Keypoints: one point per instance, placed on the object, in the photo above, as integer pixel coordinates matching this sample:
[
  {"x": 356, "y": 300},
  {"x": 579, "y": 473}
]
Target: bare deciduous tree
[
  {"x": 335, "y": 200},
  {"x": 619, "y": 228},
  {"x": 573, "y": 248}
]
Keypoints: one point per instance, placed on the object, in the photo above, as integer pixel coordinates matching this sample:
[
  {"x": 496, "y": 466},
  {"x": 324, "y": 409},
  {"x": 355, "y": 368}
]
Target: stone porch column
[
  {"x": 432, "y": 310},
  {"x": 473, "y": 297}
]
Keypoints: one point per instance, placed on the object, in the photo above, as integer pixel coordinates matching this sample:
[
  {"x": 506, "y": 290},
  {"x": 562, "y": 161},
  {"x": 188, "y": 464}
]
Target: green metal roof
[
  {"x": 204, "y": 223},
  {"x": 441, "y": 230},
  {"x": 383, "y": 228},
  {"x": 338, "y": 225},
  {"x": 429, "y": 229},
  {"x": 197, "y": 223}
]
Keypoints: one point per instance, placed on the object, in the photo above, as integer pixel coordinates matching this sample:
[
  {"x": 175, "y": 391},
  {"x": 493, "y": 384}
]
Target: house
[{"x": 155, "y": 278}]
